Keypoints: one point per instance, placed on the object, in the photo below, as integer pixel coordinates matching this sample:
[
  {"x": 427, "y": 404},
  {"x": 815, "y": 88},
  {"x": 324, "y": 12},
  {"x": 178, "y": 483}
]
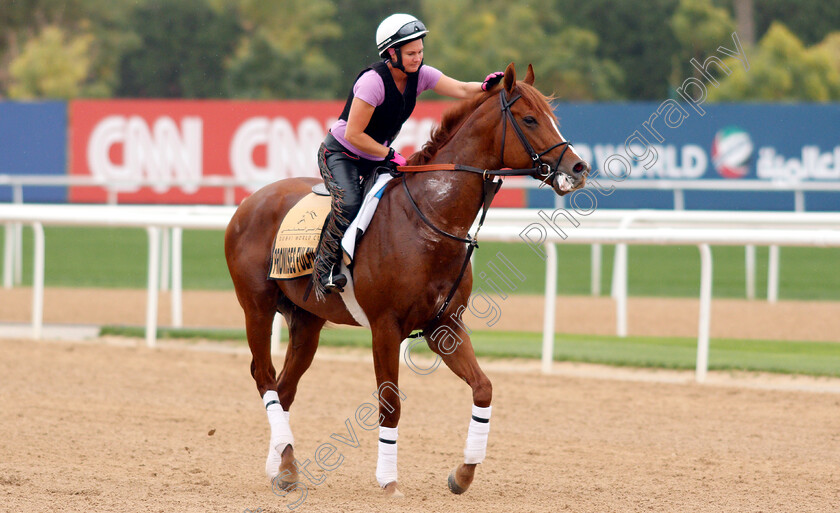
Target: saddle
[{"x": 293, "y": 250}]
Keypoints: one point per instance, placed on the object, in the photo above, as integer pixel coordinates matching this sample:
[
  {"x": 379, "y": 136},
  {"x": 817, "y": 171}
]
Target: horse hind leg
[
  {"x": 259, "y": 302},
  {"x": 304, "y": 331}
]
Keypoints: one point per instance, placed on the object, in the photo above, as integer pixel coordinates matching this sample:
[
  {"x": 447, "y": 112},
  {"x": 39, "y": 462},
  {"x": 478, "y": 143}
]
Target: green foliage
[
  {"x": 635, "y": 36},
  {"x": 51, "y": 66},
  {"x": 571, "y": 68},
  {"x": 700, "y": 28},
  {"x": 181, "y": 50},
  {"x": 594, "y": 50},
  {"x": 291, "y": 25},
  {"x": 812, "y": 358},
  {"x": 262, "y": 71},
  {"x": 281, "y": 55},
  {"x": 467, "y": 43},
  {"x": 810, "y": 20},
  {"x": 356, "y": 48},
  {"x": 831, "y": 46},
  {"x": 782, "y": 69},
  {"x": 655, "y": 271},
  {"x": 22, "y": 21}
]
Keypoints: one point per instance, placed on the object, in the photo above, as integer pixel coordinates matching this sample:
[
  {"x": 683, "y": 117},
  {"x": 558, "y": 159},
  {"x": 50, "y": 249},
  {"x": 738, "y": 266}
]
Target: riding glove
[{"x": 491, "y": 80}]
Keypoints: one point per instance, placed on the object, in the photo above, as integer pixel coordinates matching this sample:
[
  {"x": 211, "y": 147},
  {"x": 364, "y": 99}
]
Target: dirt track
[
  {"x": 98, "y": 427},
  {"x": 112, "y": 426}
]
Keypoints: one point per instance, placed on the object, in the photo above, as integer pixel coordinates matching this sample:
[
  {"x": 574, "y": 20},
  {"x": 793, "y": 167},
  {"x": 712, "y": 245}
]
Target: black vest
[{"x": 388, "y": 118}]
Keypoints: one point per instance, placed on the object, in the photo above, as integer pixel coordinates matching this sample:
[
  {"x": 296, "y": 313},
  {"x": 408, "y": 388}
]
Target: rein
[
  {"x": 491, "y": 187},
  {"x": 541, "y": 170}
]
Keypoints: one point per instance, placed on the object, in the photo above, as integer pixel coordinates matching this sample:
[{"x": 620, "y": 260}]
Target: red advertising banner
[{"x": 178, "y": 143}]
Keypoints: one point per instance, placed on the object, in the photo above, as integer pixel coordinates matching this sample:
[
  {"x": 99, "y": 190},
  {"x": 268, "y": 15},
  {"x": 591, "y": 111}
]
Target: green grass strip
[
  {"x": 810, "y": 358},
  {"x": 116, "y": 257}
]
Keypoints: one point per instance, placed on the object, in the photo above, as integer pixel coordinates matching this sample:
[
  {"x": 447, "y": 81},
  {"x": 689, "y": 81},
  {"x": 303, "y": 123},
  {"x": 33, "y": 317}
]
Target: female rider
[{"x": 382, "y": 99}]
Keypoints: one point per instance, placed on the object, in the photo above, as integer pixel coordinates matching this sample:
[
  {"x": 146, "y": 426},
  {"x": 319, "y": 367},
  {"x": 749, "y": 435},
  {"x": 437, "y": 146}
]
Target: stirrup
[{"x": 334, "y": 281}]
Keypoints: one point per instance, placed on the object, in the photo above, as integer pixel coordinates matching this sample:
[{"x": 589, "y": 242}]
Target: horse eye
[{"x": 529, "y": 120}]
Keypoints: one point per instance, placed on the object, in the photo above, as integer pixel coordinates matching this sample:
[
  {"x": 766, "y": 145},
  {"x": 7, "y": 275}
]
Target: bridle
[{"x": 541, "y": 170}]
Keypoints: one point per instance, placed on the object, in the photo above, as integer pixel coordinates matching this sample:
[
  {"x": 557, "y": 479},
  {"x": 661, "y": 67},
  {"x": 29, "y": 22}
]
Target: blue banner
[
  {"x": 778, "y": 143},
  {"x": 33, "y": 141}
]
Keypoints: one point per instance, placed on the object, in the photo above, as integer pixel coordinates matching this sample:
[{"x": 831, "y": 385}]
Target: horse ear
[
  {"x": 510, "y": 78},
  {"x": 529, "y": 76}
]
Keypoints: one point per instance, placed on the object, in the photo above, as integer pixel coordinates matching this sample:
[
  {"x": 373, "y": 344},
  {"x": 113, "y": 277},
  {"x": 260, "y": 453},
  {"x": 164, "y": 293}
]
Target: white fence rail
[{"x": 718, "y": 228}]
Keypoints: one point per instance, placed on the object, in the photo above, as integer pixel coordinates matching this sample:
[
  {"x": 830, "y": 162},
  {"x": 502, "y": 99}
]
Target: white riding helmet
[{"x": 397, "y": 30}]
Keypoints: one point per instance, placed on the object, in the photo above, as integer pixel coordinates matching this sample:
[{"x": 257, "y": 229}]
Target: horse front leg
[
  {"x": 386, "y": 363},
  {"x": 453, "y": 345}
]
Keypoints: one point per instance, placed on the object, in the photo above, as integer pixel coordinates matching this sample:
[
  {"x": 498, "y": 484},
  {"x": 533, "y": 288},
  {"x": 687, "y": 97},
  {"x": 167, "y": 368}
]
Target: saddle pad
[{"x": 293, "y": 254}]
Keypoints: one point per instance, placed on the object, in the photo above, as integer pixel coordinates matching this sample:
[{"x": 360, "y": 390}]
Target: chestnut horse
[{"x": 405, "y": 267}]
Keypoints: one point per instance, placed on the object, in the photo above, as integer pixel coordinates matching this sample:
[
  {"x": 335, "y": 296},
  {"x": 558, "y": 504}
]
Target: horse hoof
[
  {"x": 279, "y": 485},
  {"x": 390, "y": 490},
  {"x": 287, "y": 474},
  {"x": 454, "y": 487}
]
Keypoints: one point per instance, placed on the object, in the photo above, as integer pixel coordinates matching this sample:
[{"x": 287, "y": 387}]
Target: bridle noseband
[{"x": 541, "y": 170}]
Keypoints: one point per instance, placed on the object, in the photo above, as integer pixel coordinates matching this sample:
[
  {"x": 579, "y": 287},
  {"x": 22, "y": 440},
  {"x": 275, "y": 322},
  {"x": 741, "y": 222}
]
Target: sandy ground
[
  {"x": 109, "y": 425},
  {"x": 785, "y": 320},
  {"x": 114, "y": 426}
]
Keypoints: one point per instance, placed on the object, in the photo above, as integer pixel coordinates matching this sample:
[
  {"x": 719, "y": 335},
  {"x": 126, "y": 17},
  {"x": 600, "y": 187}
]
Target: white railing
[
  {"x": 114, "y": 188},
  {"x": 815, "y": 230},
  {"x": 615, "y": 218}
]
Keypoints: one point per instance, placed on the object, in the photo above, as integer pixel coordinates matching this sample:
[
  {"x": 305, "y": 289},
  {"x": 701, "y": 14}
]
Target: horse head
[{"x": 528, "y": 116}]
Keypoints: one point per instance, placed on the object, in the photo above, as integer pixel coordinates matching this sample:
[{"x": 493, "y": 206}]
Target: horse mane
[
  {"x": 451, "y": 120},
  {"x": 454, "y": 117}
]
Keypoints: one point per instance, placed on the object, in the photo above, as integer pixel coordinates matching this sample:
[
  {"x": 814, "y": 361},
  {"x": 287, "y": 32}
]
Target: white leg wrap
[
  {"x": 281, "y": 433},
  {"x": 386, "y": 465},
  {"x": 476, "y": 447}
]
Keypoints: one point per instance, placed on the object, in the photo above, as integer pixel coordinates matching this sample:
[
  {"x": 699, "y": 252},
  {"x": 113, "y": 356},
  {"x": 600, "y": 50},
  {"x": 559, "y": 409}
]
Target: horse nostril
[{"x": 579, "y": 168}]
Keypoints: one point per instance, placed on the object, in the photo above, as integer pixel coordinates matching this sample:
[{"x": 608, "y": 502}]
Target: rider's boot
[{"x": 335, "y": 280}]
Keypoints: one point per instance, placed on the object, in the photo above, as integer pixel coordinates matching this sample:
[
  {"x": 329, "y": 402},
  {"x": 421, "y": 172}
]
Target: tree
[
  {"x": 782, "y": 69},
  {"x": 356, "y": 47},
  {"x": 281, "y": 55},
  {"x": 180, "y": 50},
  {"x": 831, "y": 45},
  {"x": 571, "y": 67},
  {"x": 633, "y": 35},
  {"x": 22, "y": 20},
  {"x": 700, "y": 28},
  {"x": 470, "y": 42},
  {"x": 263, "y": 72},
  {"x": 810, "y": 20},
  {"x": 51, "y": 66}
]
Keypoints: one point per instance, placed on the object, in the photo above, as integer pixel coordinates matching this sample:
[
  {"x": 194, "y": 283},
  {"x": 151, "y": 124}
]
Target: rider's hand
[
  {"x": 491, "y": 80},
  {"x": 394, "y": 158}
]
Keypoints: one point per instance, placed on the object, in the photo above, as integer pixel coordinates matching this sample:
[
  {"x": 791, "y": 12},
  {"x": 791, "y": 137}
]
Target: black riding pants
[{"x": 342, "y": 171}]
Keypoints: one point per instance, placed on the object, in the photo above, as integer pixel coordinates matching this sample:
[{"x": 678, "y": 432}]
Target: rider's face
[{"x": 412, "y": 55}]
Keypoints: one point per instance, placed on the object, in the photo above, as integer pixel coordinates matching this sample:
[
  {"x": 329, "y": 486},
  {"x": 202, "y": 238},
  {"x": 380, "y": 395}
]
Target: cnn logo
[{"x": 162, "y": 154}]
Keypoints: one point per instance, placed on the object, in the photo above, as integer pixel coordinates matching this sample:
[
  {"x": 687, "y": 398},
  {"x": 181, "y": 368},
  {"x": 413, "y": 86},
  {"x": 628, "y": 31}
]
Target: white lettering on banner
[
  {"x": 163, "y": 154},
  {"x": 813, "y": 164},
  {"x": 289, "y": 152},
  {"x": 691, "y": 164},
  {"x": 292, "y": 152}
]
